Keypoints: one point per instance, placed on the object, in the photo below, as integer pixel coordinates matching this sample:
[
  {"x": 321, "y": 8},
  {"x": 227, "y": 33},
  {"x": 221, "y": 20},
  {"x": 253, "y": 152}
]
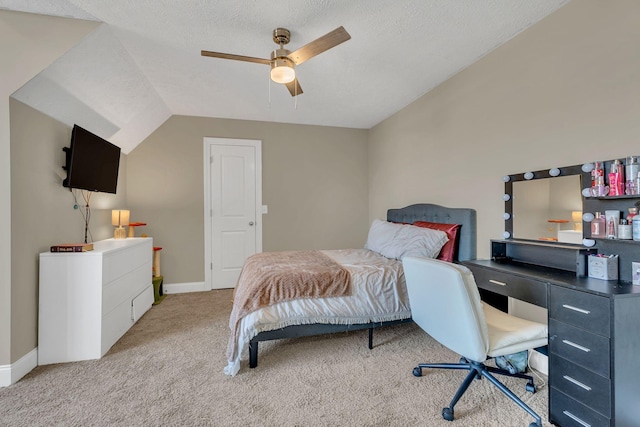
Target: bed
[{"x": 373, "y": 296}]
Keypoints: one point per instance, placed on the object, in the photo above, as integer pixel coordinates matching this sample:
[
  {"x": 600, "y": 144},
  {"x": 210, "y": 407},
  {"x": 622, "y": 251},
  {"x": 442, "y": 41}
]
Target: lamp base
[{"x": 119, "y": 233}]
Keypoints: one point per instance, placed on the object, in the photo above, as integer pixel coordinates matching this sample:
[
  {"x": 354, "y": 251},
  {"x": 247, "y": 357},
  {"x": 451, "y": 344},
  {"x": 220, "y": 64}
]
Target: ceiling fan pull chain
[{"x": 269, "y": 83}]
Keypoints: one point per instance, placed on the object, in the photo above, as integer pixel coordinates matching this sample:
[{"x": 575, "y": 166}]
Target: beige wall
[
  {"x": 563, "y": 92},
  {"x": 314, "y": 182},
  {"x": 28, "y": 44},
  {"x": 43, "y": 212}
]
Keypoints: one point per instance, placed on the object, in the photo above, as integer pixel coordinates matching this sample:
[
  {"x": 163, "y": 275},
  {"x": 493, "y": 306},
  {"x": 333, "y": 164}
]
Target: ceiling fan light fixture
[{"x": 282, "y": 70}]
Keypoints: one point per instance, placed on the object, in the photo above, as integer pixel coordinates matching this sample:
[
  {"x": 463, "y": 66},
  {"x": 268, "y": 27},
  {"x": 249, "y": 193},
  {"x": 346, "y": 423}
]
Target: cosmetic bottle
[
  {"x": 621, "y": 176},
  {"x": 596, "y": 172},
  {"x": 637, "y": 186},
  {"x": 624, "y": 230},
  {"x": 616, "y": 179},
  {"x": 611, "y": 229},
  {"x": 612, "y": 219},
  {"x": 632, "y": 213},
  {"x": 598, "y": 226},
  {"x": 599, "y": 189},
  {"x": 631, "y": 170},
  {"x": 635, "y": 226}
]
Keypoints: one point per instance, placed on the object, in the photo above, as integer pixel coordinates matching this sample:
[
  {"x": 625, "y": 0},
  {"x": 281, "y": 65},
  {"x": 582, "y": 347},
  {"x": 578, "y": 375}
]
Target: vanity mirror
[{"x": 544, "y": 205}]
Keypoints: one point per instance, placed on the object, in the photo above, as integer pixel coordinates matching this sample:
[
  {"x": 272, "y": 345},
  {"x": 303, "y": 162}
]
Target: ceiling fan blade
[
  {"x": 319, "y": 45},
  {"x": 294, "y": 87},
  {"x": 235, "y": 57}
]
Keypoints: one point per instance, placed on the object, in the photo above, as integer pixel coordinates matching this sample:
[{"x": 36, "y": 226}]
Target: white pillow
[
  {"x": 399, "y": 240},
  {"x": 381, "y": 234}
]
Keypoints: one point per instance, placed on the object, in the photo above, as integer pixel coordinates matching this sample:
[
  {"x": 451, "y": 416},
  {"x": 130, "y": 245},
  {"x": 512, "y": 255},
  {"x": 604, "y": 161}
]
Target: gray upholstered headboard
[{"x": 435, "y": 213}]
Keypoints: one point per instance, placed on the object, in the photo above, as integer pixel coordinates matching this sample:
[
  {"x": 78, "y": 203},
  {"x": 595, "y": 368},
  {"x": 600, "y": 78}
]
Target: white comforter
[{"x": 379, "y": 295}]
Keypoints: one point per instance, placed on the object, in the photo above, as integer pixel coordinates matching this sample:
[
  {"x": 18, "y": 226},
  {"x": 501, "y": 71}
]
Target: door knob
[{"x": 251, "y": 223}]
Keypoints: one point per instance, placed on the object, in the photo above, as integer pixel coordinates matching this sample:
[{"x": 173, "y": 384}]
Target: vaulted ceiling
[{"x": 142, "y": 64}]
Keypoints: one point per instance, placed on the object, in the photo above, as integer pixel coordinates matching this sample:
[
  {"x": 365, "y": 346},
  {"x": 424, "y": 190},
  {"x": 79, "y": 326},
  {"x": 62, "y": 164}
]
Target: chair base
[{"x": 478, "y": 370}]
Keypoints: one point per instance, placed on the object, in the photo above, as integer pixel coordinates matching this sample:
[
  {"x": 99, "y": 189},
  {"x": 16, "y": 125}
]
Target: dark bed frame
[{"x": 466, "y": 250}]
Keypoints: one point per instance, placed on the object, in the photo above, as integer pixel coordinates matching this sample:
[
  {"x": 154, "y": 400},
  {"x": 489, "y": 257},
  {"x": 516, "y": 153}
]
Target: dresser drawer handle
[
  {"x": 579, "y": 310},
  {"x": 578, "y": 346},
  {"x": 576, "y": 382},
  {"x": 576, "y": 419},
  {"x": 495, "y": 282}
]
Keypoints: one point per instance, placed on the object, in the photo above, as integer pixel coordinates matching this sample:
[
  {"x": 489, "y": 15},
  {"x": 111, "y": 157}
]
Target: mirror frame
[{"x": 528, "y": 176}]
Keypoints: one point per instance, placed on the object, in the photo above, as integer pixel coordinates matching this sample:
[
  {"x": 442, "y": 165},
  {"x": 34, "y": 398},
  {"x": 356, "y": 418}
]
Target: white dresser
[{"x": 89, "y": 300}]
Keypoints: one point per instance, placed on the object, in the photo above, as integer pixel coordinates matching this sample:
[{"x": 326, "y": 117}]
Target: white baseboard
[
  {"x": 181, "y": 288},
  {"x": 11, "y": 374}
]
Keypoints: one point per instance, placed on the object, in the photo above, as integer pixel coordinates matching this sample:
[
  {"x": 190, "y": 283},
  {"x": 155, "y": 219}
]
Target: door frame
[{"x": 208, "y": 243}]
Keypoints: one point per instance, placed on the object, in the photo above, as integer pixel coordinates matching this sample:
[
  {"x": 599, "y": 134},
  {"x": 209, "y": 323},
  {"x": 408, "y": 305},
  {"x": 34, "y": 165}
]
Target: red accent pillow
[{"x": 448, "y": 251}]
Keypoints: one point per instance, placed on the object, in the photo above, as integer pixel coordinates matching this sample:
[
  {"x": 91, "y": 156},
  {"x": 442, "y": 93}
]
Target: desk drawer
[
  {"x": 581, "y": 309},
  {"x": 594, "y": 391},
  {"x": 531, "y": 291},
  {"x": 567, "y": 412},
  {"x": 588, "y": 350}
]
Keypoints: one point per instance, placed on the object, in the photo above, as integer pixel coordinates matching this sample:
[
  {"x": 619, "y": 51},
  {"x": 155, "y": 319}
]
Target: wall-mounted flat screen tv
[{"x": 92, "y": 162}]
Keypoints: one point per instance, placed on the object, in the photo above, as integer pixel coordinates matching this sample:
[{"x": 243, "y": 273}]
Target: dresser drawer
[
  {"x": 529, "y": 290},
  {"x": 588, "y": 350},
  {"x": 567, "y": 412},
  {"x": 119, "y": 262},
  {"x": 594, "y": 391},
  {"x": 581, "y": 309}
]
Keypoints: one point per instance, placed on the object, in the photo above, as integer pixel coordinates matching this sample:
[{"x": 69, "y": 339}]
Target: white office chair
[{"x": 445, "y": 303}]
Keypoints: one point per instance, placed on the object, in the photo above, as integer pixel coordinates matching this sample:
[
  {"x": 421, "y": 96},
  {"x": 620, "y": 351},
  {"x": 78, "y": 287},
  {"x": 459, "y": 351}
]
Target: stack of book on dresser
[{"x": 72, "y": 247}]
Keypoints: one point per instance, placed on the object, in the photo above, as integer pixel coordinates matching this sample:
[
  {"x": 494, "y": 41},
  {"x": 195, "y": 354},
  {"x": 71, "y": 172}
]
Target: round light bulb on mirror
[
  {"x": 528, "y": 175},
  {"x": 586, "y": 192},
  {"x": 587, "y": 217},
  {"x": 554, "y": 172},
  {"x": 506, "y": 216},
  {"x": 506, "y": 197},
  {"x": 587, "y": 167},
  {"x": 506, "y": 178},
  {"x": 588, "y": 242},
  {"x": 506, "y": 234}
]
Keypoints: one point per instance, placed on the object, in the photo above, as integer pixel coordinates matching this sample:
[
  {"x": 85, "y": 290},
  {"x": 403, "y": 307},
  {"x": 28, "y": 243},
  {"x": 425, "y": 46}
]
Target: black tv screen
[{"x": 92, "y": 162}]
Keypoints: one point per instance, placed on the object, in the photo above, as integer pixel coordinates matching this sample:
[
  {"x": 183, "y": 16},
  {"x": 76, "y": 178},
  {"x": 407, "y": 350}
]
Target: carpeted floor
[{"x": 167, "y": 371}]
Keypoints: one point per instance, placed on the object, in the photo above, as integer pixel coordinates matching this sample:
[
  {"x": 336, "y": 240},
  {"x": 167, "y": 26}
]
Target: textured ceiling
[{"x": 143, "y": 63}]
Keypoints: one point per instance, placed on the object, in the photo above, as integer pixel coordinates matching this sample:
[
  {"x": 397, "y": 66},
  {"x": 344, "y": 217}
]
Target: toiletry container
[
  {"x": 631, "y": 170},
  {"x": 636, "y": 230},
  {"x": 624, "y": 230},
  {"x": 598, "y": 226},
  {"x": 612, "y": 219},
  {"x": 616, "y": 179}
]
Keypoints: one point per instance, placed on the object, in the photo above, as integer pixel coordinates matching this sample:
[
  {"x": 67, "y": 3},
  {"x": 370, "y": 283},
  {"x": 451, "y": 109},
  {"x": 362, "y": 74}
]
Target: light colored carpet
[{"x": 167, "y": 370}]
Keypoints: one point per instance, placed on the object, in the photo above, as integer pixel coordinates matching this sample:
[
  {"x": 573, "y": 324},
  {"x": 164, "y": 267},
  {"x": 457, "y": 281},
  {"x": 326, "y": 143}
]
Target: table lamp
[{"x": 119, "y": 219}]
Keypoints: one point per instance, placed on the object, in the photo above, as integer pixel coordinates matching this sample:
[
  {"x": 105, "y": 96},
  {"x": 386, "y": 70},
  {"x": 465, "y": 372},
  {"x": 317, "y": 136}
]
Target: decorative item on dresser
[
  {"x": 593, "y": 341},
  {"x": 88, "y": 300},
  {"x": 379, "y": 295}
]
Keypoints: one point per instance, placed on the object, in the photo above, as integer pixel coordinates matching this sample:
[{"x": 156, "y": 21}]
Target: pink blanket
[{"x": 271, "y": 277}]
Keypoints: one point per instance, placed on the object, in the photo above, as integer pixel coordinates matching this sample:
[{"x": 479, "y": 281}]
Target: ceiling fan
[{"x": 283, "y": 61}]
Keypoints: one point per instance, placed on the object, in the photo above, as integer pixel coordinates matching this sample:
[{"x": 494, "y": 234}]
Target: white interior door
[{"x": 234, "y": 210}]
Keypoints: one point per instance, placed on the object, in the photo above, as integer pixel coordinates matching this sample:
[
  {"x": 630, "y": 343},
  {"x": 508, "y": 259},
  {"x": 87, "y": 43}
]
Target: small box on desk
[{"x": 603, "y": 267}]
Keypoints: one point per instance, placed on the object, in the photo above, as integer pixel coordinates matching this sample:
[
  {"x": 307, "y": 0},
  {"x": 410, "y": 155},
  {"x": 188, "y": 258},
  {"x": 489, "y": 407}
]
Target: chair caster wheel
[
  {"x": 535, "y": 424},
  {"x": 417, "y": 372},
  {"x": 530, "y": 387},
  {"x": 447, "y": 414}
]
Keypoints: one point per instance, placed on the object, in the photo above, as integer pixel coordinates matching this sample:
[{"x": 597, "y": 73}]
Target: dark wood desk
[{"x": 594, "y": 336}]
